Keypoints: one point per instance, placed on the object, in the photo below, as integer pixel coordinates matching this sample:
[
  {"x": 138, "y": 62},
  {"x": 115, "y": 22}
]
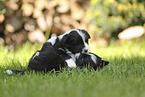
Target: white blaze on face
[{"x": 86, "y": 48}]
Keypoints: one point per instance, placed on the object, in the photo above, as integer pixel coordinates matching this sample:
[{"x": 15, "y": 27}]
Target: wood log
[
  {"x": 16, "y": 39},
  {"x": 132, "y": 32},
  {"x": 65, "y": 28},
  {"x": 91, "y": 28},
  {"x": 40, "y": 4},
  {"x": 49, "y": 19},
  {"x": 36, "y": 36},
  {"x": 51, "y": 11},
  {"x": 37, "y": 13},
  {"x": 27, "y": 9},
  {"x": 66, "y": 19},
  {"x": 41, "y": 21},
  {"x": 57, "y": 29},
  {"x": 12, "y": 4},
  {"x": 30, "y": 25},
  {"x": 63, "y": 6},
  {"x": 2, "y": 41},
  {"x": 103, "y": 41},
  {"x": 51, "y": 4},
  {"x": 77, "y": 12},
  {"x": 75, "y": 24},
  {"x": 28, "y": 1},
  {"x": 84, "y": 21},
  {"x": 57, "y": 19},
  {"x": 19, "y": 37},
  {"x": 2, "y": 18},
  {"x": 2, "y": 28},
  {"x": 13, "y": 24},
  {"x": 44, "y": 21}
]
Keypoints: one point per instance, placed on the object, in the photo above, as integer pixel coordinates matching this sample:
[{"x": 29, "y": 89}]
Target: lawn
[{"x": 123, "y": 77}]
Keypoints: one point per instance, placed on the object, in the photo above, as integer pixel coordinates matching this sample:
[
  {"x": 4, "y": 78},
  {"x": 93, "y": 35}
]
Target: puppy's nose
[{"x": 85, "y": 50}]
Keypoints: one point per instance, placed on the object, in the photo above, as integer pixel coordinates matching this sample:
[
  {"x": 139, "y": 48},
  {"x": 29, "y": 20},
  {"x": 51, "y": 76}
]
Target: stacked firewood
[{"x": 31, "y": 19}]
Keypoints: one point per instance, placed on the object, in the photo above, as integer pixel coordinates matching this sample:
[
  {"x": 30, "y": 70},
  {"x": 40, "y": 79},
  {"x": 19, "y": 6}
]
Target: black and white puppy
[
  {"x": 90, "y": 59},
  {"x": 57, "y": 51}
]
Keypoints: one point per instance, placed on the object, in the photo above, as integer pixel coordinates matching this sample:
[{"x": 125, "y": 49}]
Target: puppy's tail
[{"x": 11, "y": 72}]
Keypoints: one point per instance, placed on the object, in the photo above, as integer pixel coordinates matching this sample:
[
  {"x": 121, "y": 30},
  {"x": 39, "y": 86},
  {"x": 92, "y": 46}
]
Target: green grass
[{"x": 123, "y": 77}]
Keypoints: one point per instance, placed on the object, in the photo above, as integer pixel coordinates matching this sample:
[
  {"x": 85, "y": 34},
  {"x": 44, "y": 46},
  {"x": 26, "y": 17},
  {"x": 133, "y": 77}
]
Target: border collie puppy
[
  {"x": 57, "y": 51},
  {"x": 90, "y": 59}
]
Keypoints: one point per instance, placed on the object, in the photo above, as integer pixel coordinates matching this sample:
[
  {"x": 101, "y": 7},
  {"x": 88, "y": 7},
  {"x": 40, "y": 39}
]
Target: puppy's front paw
[{"x": 71, "y": 63}]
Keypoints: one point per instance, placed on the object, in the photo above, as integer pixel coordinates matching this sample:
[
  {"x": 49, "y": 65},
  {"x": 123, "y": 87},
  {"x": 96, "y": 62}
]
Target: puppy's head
[
  {"x": 75, "y": 41},
  {"x": 90, "y": 59}
]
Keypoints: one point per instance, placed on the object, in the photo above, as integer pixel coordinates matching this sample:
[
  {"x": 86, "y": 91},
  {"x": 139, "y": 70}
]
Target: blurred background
[{"x": 36, "y": 20}]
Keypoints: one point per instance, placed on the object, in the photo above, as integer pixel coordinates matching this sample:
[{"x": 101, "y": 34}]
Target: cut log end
[{"x": 132, "y": 32}]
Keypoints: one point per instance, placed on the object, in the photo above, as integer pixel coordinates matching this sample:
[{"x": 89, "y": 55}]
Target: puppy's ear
[
  {"x": 104, "y": 63},
  {"x": 64, "y": 39},
  {"x": 86, "y": 33}
]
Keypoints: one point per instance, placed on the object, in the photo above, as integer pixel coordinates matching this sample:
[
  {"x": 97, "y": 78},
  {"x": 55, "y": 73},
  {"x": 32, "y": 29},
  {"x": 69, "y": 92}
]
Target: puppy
[
  {"x": 90, "y": 59},
  {"x": 57, "y": 51}
]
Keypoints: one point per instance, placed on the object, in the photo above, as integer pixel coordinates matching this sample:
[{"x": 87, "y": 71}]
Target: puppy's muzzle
[{"x": 86, "y": 48}]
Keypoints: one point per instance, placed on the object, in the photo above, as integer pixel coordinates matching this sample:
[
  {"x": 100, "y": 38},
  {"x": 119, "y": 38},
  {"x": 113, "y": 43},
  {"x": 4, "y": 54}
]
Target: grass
[{"x": 123, "y": 77}]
